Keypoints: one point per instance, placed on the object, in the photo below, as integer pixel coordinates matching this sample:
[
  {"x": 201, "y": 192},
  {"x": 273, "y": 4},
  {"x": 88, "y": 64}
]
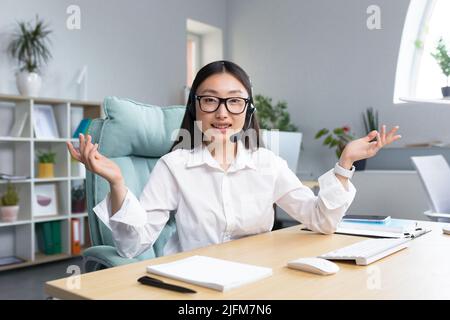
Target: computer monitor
[{"x": 284, "y": 144}]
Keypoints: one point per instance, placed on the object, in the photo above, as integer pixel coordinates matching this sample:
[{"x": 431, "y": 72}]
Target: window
[
  {"x": 203, "y": 45},
  {"x": 193, "y": 56},
  {"x": 418, "y": 74}
]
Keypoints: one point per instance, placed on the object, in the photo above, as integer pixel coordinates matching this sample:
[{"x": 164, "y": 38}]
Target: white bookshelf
[{"x": 18, "y": 157}]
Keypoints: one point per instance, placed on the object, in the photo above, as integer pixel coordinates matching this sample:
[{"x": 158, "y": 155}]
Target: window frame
[
  {"x": 409, "y": 58},
  {"x": 197, "y": 40}
]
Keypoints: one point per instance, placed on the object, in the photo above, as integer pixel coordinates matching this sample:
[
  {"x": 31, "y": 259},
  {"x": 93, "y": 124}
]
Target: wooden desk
[
  {"x": 311, "y": 184},
  {"x": 421, "y": 271}
]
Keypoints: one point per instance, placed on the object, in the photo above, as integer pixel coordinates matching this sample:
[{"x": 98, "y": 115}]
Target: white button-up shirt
[{"x": 213, "y": 205}]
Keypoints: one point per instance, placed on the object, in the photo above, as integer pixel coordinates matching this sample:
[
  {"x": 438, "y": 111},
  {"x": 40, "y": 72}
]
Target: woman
[{"x": 223, "y": 184}]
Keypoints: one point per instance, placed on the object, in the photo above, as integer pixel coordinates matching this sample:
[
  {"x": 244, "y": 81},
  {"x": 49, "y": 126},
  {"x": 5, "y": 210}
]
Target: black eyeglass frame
[{"x": 225, "y": 101}]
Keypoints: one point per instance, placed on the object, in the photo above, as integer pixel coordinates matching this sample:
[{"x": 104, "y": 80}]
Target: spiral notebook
[{"x": 213, "y": 273}]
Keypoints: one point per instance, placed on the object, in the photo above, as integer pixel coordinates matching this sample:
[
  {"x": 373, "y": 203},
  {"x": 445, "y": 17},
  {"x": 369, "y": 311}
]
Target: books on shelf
[
  {"x": 82, "y": 127},
  {"x": 212, "y": 273},
  {"x": 6, "y": 176},
  {"x": 76, "y": 236},
  {"x": 48, "y": 236}
]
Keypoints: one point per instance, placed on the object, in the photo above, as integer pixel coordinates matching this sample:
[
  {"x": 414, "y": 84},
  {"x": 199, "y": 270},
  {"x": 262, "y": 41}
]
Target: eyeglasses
[{"x": 234, "y": 105}]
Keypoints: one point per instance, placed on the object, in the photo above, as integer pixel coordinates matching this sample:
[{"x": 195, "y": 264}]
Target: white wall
[
  {"x": 316, "y": 54},
  {"x": 133, "y": 48},
  {"x": 320, "y": 56}
]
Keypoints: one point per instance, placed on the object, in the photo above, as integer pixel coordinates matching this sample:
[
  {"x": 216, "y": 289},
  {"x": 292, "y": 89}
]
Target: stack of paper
[
  {"x": 212, "y": 273},
  {"x": 395, "y": 228}
]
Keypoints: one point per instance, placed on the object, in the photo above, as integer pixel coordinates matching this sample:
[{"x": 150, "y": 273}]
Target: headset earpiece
[{"x": 251, "y": 109}]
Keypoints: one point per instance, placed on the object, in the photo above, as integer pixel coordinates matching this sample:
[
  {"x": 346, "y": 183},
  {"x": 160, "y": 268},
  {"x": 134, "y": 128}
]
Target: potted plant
[
  {"x": 78, "y": 199},
  {"x": 338, "y": 138},
  {"x": 30, "y": 47},
  {"x": 46, "y": 162},
  {"x": 277, "y": 131},
  {"x": 443, "y": 59},
  {"x": 9, "y": 204}
]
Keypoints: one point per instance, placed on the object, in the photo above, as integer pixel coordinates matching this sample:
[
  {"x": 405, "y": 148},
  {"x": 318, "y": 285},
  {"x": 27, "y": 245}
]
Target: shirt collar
[{"x": 200, "y": 155}]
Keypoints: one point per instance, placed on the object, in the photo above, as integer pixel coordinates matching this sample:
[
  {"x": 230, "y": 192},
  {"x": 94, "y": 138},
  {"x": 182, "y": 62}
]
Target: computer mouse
[
  {"x": 446, "y": 229},
  {"x": 314, "y": 265}
]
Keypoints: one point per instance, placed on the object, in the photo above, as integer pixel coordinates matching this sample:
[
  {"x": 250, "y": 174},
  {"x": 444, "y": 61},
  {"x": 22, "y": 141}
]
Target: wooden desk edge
[{"x": 56, "y": 288}]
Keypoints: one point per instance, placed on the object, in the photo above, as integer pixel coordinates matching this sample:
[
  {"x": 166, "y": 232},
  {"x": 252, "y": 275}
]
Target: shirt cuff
[
  {"x": 103, "y": 210},
  {"x": 333, "y": 193},
  {"x": 130, "y": 213}
]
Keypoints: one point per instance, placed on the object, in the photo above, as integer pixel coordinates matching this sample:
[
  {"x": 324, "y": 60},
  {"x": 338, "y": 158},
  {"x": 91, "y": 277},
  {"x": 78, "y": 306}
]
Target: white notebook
[{"x": 213, "y": 273}]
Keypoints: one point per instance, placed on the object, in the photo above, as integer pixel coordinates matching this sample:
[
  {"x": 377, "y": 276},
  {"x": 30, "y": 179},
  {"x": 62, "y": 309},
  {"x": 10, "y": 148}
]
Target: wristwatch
[{"x": 344, "y": 172}]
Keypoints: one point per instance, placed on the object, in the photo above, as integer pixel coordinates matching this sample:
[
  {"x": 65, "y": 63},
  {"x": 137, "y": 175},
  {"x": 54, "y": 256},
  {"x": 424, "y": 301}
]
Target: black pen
[{"x": 161, "y": 284}]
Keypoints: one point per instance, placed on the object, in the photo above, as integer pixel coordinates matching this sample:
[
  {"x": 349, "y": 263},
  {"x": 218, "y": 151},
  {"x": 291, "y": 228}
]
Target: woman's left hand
[{"x": 362, "y": 148}]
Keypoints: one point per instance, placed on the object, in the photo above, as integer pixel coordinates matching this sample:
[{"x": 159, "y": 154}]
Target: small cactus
[{"x": 10, "y": 198}]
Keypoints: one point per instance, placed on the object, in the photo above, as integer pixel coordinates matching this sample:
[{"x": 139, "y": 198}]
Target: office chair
[
  {"x": 287, "y": 145},
  {"x": 434, "y": 172},
  {"x": 135, "y": 136}
]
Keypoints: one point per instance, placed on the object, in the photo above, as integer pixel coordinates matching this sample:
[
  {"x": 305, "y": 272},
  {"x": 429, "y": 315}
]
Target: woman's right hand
[{"x": 94, "y": 161}]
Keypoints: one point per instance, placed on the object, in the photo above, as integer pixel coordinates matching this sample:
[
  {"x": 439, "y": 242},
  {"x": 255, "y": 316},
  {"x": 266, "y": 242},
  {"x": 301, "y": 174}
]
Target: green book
[
  {"x": 40, "y": 237},
  {"x": 56, "y": 236},
  {"x": 45, "y": 238}
]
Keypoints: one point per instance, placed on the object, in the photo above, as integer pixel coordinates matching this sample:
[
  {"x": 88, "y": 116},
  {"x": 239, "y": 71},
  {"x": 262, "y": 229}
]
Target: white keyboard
[{"x": 368, "y": 251}]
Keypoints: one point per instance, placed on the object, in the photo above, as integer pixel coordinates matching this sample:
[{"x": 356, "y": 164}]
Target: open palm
[
  {"x": 364, "y": 147},
  {"x": 94, "y": 161}
]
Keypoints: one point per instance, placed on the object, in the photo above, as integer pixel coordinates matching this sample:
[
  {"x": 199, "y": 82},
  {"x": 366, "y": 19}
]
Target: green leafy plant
[
  {"x": 273, "y": 116},
  {"x": 47, "y": 157},
  {"x": 10, "y": 197},
  {"x": 337, "y": 138},
  {"x": 370, "y": 118},
  {"x": 78, "y": 193},
  {"x": 442, "y": 58},
  {"x": 30, "y": 45}
]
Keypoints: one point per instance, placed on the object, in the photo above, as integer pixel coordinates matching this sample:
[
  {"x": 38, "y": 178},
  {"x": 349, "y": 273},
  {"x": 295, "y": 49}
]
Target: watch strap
[{"x": 344, "y": 172}]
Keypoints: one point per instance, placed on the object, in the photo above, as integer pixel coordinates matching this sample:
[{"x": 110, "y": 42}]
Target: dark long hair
[{"x": 188, "y": 124}]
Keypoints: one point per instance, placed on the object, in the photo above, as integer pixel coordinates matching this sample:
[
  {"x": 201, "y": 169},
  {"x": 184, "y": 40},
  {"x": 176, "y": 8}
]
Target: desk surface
[
  {"x": 421, "y": 271},
  {"x": 311, "y": 183}
]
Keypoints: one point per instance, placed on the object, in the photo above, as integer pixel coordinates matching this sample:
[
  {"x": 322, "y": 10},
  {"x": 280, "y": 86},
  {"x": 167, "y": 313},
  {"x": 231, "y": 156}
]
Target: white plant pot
[
  {"x": 9, "y": 213},
  {"x": 29, "y": 83}
]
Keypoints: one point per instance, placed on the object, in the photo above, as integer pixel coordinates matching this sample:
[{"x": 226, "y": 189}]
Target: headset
[{"x": 251, "y": 109}]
